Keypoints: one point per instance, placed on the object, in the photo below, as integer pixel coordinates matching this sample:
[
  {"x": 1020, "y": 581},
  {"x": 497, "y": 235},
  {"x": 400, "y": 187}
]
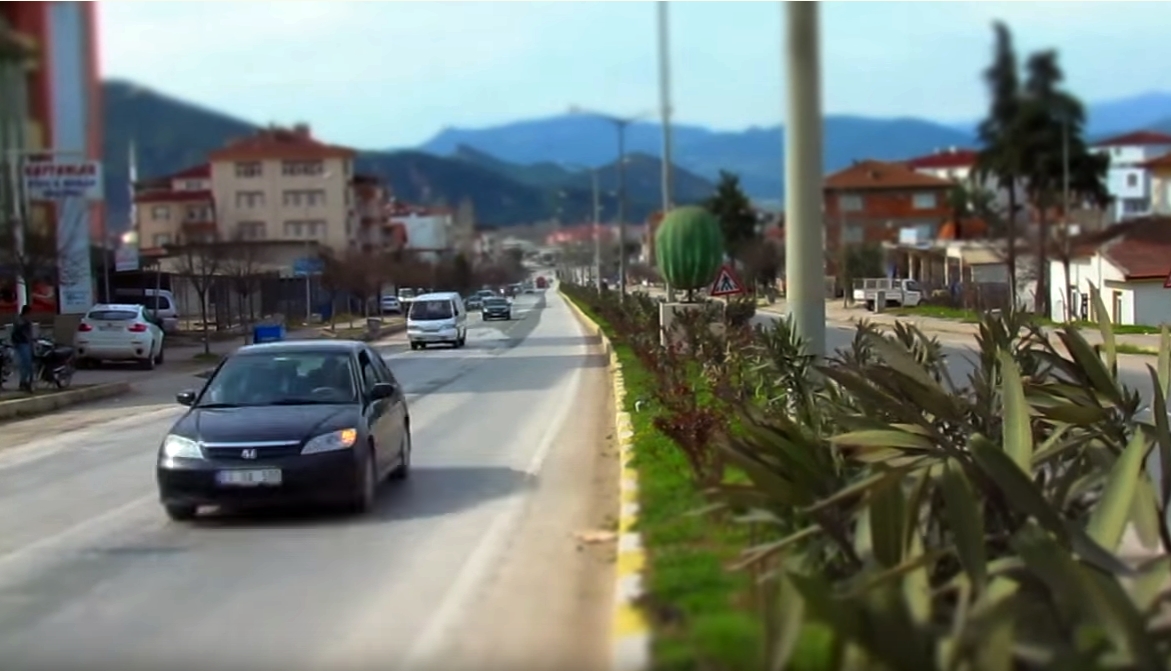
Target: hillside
[
  {"x": 172, "y": 134},
  {"x": 756, "y": 154}
]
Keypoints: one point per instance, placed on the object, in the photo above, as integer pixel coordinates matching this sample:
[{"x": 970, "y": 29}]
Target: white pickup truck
[{"x": 898, "y": 293}]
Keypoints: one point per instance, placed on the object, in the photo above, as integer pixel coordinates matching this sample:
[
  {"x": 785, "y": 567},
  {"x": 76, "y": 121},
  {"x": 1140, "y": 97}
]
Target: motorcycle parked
[{"x": 53, "y": 364}]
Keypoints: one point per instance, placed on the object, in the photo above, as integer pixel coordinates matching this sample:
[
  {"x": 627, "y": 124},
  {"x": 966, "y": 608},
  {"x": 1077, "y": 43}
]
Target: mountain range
[{"x": 535, "y": 170}]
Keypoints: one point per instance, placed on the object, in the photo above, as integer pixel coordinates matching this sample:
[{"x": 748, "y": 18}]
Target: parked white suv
[{"x": 118, "y": 332}]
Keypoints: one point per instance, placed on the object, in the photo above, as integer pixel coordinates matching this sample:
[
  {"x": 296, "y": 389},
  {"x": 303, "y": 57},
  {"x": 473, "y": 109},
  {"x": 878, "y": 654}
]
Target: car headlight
[
  {"x": 178, "y": 447},
  {"x": 334, "y": 440}
]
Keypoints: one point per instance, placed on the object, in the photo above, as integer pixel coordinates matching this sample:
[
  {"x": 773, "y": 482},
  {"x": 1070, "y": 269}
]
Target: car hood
[{"x": 264, "y": 423}]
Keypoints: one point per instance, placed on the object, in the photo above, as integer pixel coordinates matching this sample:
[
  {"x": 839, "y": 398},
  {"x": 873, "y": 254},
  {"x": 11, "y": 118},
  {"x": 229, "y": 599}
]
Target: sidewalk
[{"x": 836, "y": 314}]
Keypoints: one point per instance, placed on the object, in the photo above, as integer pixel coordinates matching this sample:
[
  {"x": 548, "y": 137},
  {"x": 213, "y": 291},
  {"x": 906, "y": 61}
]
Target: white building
[
  {"x": 1129, "y": 264},
  {"x": 428, "y": 233},
  {"x": 1128, "y": 180}
]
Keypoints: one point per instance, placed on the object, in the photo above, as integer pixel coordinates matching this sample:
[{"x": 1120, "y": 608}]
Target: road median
[{"x": 51, "y": 400}]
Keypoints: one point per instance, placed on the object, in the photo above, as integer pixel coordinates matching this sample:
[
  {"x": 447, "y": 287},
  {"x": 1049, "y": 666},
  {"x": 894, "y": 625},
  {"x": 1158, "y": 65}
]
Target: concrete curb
[
  {"x": 20, "y": 408},
  {"x": 630, "y": 633}
]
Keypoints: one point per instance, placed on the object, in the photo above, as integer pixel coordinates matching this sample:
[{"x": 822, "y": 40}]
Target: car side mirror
[
  {"x": 186, "y": 398},
  {"x": 382, "y": 390}
]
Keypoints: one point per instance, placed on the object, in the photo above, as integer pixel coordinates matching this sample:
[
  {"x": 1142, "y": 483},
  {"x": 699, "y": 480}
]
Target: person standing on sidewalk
[{"x": 22, "y": 346}]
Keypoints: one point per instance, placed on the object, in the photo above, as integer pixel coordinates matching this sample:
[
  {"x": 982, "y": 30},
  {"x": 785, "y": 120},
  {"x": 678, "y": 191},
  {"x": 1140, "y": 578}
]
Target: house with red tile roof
[
  {"x": 1129, "y": 263},
  {"x": 1128, "y": 180},
  {"x": 883, "y": 202},
  {"x": 953, "y": 163}
]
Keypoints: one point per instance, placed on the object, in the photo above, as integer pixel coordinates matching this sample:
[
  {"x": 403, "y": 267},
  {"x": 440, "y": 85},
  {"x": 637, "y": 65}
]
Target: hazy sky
[{"x": 391, "y": 74}]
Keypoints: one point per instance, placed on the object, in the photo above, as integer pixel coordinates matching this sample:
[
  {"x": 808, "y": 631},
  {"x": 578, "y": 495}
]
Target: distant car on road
[
  {"x": 437, "y": 318},
  {"x": 391, "y": 305},
  {"x": 473, "y": 302},
  {"x": 119, "y": 332},
  {"x": 293, "y": 421},
  {"x": 497, "y": 308}
]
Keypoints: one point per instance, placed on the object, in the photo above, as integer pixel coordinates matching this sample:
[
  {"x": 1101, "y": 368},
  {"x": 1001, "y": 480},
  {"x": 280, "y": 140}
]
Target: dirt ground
[{"x": 549, "y": 605}]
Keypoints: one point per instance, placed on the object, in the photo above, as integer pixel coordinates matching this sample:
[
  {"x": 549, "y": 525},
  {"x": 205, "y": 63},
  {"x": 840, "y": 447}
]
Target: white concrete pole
[
  {"x": 665, "y": 113},
  {"x": 804, "y": 228}
]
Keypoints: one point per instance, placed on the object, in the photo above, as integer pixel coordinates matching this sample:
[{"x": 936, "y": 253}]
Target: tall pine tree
[{"x": 731, "y": 207}]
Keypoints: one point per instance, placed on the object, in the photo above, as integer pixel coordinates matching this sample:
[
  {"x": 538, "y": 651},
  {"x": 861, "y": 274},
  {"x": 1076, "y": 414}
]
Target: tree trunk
[
  {"x": 1041, "y": 298},
  {"x": 1011, "y": 234},
  {"x": 203, "y": 319}
]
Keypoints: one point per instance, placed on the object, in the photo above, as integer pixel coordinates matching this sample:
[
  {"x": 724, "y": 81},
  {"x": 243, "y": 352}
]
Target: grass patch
[
  {"x": 1127, "y": 348},
  {"x": 700, "y": 612},
  {"x": 973, "y": 317},
  {"x": 207, "y": 357}
]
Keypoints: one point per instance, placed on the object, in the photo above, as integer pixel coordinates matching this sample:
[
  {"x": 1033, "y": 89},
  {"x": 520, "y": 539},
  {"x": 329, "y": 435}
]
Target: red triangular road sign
[{"x": 726, "y": 284}]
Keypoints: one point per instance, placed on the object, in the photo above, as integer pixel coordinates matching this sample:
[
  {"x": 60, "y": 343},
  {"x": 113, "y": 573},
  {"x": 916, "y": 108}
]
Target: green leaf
[
  {"x": 1162, "y": 435},
  {"x": 1018, "y": 426},
  {"x": 1109, "y": 517},
  {"x": 1105, "y": 328},
  {"x": 883, "y": 438},
  {"x": 1017, "y": 487},
  {"x": 1144, "y": 513},
  {"x": 790, "y": 620},
  {"x": 967, "y": 526},
  {"x": 887, "y": 531},
  {"x": 1090, "y": 365}
]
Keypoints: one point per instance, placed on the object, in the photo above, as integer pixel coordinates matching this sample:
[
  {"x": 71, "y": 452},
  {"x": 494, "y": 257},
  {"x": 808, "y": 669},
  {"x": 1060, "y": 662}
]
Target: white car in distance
[{"x": 118, "y": 332}]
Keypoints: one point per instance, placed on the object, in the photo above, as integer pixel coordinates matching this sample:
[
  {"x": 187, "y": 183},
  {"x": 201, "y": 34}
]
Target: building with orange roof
[
  {"x": 277, "y": 185},
  {"x": 1128, "y": 179},
  {"x": 883, "y": 202}
]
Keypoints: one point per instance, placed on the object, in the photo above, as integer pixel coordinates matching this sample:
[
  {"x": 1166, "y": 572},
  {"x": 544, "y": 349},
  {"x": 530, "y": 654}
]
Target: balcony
[{"x": 196, "y": 229}]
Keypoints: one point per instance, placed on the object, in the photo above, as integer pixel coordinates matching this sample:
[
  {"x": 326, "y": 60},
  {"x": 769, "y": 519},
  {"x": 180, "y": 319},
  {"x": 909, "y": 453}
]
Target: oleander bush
[{"x": 908, "y": 520}]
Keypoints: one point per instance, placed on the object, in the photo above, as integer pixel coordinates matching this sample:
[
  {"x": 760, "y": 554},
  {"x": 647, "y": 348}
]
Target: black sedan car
[
  {"x": 285, "y": 422},
  {"x": 496, "y": 308}
]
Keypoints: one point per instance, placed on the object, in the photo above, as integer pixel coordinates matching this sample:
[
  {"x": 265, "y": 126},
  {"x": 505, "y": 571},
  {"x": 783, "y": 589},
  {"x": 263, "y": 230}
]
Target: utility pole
[
  {"x": 622, "y": 211},
  {"x": 620, "y": 125},
  {"x": 1065, "y": 214},
  {"x": 597, "y": 231},
  {"x": 665, "y": 112},
  {"x": 804, "y": 227}
]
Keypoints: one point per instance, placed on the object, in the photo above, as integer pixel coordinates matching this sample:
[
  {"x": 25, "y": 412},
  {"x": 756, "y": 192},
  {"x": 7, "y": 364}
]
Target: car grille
[{"x": 235, "y": 452}]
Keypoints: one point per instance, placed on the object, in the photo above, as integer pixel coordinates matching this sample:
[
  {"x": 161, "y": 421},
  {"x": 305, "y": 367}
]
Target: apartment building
[
  {"x": 877, "y": 202},
  {"x": 282, "y": 184},
  {"x": 279, "y": 186},
  {"x": 1128, "y": 179},
  {"x": 174, "y": 209}
]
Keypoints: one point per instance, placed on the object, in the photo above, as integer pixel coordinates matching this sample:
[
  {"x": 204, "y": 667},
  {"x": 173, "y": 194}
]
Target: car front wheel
[{"x": 365, "y": 496}]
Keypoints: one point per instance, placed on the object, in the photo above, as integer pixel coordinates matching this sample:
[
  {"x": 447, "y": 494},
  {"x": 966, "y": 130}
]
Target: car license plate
[
  {"x": 109, "y": 328},
  {"x": 249, "y": 478}
]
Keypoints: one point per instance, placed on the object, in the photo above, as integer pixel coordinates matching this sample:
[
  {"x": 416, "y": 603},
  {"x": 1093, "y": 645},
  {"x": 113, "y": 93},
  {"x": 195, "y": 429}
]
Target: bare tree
[
  {"x": 366, "y": 271},
  {"x": 243, "y": 265},
  {"x": 201, "y": 263}
]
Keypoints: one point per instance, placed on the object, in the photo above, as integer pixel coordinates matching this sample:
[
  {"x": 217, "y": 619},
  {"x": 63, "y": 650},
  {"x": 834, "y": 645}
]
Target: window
[
  {"x": 297, "y": 168},
  {"x": 369, "y": 373},
  {"x": 249, "y": 169},
  {"x": 313, "y": 228},
  {"x": 1132, "y": 179},
  {"x": 249, "y": 200},
  {"x": 384, "y": 371},
  {"x": 197, "y": 213},
  {"x": 288, "y": 378},
  {"x": 924, "y": 201},
  {"x": 850, "y": 203},
  {"x": 162, "y": 239},
  {"x": 191, "y": 185},
  {"x": 160, "y": 213},
  {"x": 852, "y": 234},
  {"x": 252, "y": 230},
  {"x": 303, "y": 198},
  {"x": 111, "y": 315},
  {"x": 431, "y": 310}
]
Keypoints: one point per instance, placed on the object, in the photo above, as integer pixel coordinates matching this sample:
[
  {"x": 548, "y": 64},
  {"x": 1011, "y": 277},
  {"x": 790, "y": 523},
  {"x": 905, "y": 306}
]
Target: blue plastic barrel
[{"x": 268, "y": 333}]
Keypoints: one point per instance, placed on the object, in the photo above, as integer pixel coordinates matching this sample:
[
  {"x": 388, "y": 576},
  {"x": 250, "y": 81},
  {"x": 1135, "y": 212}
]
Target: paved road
[{"x": 92, "y": 575}]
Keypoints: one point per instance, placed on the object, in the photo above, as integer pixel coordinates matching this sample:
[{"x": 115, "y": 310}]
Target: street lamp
[
  {"x": 665, "y": 114},
  {"x": 804, "y": 225},
  {"x": 620, "y": 125}
]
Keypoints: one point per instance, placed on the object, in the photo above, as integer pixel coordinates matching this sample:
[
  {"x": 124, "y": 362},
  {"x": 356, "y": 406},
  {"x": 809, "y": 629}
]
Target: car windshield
[
  {"x": 495, "y": 302},
  {"x": 281, "y": 378},
  {"x": 111, "y": 315},
  {"x": 431, "y": 310}
]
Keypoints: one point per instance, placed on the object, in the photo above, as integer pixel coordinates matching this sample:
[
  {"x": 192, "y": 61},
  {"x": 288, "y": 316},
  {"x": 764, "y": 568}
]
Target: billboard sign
[
  {"x": 126, "y": 257},
  {"x": 58, "y": 180}
]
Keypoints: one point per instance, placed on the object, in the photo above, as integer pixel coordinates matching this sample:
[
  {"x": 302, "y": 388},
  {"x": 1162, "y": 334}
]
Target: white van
[
  {"x": 437, "y": 318},
  {"x": 156, "y": 301}
]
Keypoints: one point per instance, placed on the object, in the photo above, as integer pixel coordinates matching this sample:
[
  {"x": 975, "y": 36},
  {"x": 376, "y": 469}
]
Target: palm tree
[{"x": 999, "y": 133}]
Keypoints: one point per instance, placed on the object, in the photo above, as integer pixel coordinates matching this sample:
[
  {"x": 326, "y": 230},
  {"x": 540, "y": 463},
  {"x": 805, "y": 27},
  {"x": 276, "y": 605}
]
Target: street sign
[
  {"x": 126, "y": 258},
  {"x": 726, "y": 284},
  {"x": 308, "y": 266},
  {"x": 61, "y": 179}
]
